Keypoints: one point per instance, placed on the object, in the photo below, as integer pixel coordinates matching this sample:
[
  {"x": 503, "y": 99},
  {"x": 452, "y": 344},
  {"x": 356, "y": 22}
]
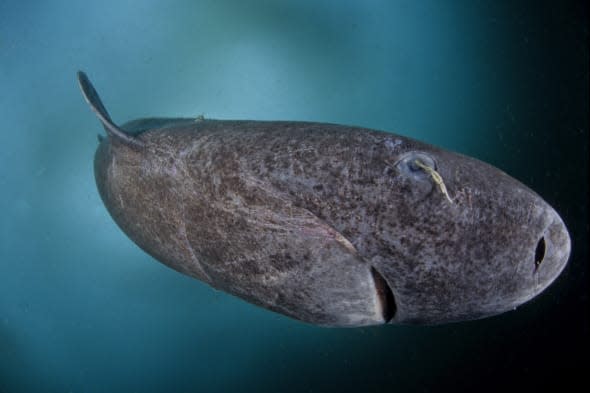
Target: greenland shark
[{"x": 329, "y": 224}]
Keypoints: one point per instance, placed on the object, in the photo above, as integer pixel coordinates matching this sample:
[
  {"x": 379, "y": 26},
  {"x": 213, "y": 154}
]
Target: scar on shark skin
[{"x": 436, "y": 177}]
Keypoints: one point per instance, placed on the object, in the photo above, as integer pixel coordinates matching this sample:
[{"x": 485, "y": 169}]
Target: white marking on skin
[
  {"x": 194, "y": 258},
  {"x": 392, "y": 144},
  {"x": 113, "y": 167},
  {"x": 344, "y": 241},
  {"x": 188, "y": 150},
  {"x": 191, "y": 250}
]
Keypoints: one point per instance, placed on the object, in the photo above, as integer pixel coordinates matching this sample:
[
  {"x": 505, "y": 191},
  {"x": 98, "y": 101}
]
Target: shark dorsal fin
[{"x": 93, "y": 99}]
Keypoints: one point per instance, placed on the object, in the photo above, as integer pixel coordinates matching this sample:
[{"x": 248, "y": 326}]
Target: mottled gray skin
[{"x": 332, "y": 225}]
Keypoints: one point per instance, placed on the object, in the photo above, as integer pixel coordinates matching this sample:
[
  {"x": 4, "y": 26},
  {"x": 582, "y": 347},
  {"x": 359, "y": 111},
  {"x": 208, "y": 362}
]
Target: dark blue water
[{"x": 82, "y": 309}]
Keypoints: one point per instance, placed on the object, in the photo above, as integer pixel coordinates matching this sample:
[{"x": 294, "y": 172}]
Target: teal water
[{"x": 82, "y": 309}]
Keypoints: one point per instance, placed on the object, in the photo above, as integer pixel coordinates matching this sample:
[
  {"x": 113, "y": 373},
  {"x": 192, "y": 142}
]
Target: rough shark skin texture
[{"x": 329, "y": 224}]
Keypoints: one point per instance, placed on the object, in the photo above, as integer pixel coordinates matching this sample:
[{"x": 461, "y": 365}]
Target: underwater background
[{"x": 82, "y": 309}]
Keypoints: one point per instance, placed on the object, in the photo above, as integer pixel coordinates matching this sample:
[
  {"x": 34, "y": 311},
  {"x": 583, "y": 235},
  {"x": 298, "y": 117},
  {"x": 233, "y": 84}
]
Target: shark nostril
[{"x": 540, "y": 252}]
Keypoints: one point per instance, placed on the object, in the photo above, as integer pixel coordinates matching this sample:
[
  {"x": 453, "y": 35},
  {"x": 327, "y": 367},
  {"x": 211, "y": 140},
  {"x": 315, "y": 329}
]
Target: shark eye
[
  {"x": 408, "y": 165},
  {"x": 540, "y": 252}
]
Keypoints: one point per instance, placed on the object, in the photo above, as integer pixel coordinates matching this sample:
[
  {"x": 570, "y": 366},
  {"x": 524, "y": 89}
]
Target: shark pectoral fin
[{"x": 285, "y": 258}]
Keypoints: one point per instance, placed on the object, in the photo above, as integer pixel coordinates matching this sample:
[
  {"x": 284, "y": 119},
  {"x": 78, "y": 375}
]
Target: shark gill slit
[{"x": 384, "y": 296}]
